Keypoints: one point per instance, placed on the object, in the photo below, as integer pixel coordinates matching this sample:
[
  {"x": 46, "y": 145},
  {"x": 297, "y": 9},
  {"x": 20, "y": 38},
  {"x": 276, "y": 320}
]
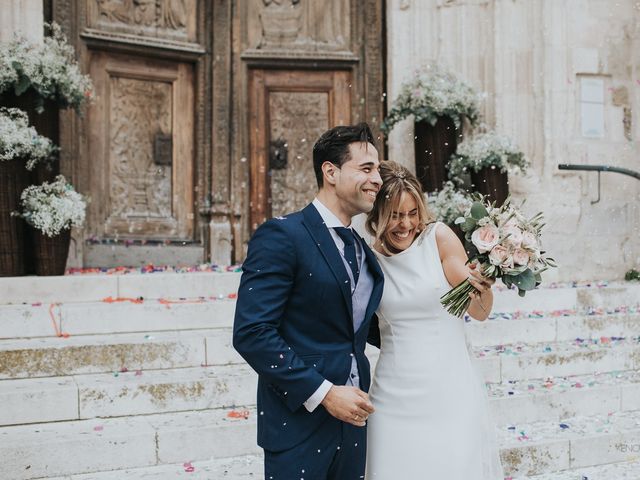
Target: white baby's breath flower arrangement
[
  {"x": 449, "y": 203},
  {"x": 487, "y": 150},
  {"x": 20, "y": 141},
  {"x": 49, "y": 68},
  {"x": 431, "y": 93},
  {"x": 52, "y": 207}
]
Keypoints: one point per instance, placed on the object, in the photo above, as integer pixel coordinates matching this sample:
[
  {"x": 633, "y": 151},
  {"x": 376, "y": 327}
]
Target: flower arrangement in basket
[
  {"x": 50, "y": 69},
  {"x": 486, "y": 150},
  {"x": 449, "y": 203},
  {"x": 19, "y": 141},
  {"x": 432, "y": 93},
  {"x": 506, "y": 245},
  {"x": 52, "y": 207}
]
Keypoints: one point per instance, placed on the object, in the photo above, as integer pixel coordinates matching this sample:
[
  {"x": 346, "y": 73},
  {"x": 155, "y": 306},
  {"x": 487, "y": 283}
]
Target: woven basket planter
[
  {"x": 50, "y": 253},
  {"x": 13, "y": 180},
  {"x": 491, "y": 182},
  {"x": 434, "y": 145}
]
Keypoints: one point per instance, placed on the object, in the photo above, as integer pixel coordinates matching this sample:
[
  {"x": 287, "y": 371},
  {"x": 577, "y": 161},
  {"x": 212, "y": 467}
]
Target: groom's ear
[{"x": 329, "y": 171}]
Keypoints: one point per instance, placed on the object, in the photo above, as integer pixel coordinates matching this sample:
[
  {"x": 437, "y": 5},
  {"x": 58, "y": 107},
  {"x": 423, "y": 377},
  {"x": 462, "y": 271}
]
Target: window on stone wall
[{"x": 591, "y": 106}]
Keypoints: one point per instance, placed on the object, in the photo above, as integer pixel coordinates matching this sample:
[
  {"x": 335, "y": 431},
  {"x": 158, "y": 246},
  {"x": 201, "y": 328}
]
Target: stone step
[
  {"x": 94, "y": 288},
  {"x": 563, "y": 297},
  {"x": 236, "y": 468},
  {"x": 40, "y": 400},
  {"x": 46, "y": 320},
  {"x": 558, "y": 398},
  {"x": 613, "y": 471},
  {"x": 522, "y": 361},
  {"x": 85, "y": 446},
  {"x": 91, "y": 318},
  {"x": 160, "y": 391},
  {"x": 45, "y": 357},
  {"x": 535, "y": 327},
  {"x": 42, "y": 357},
  {"x": 577, "y": 442},
  {"x": 131, "y": 442}
]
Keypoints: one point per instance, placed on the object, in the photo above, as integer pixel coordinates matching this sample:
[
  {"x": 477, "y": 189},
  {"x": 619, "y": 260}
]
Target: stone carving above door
[
  {"x": 298, "y": 26},
  {"x": 163, "y": 19}
]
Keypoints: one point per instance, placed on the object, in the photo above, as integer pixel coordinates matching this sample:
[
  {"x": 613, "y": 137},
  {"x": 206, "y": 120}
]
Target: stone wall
[
  {"x": 532, "y": 59},
  {"x": 23, "y": 16}
]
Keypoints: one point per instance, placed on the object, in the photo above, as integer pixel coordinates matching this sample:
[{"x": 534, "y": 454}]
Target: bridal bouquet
[{"x": 506, "y": 245}]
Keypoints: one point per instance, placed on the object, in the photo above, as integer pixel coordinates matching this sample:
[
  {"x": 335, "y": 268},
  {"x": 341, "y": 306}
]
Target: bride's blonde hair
[{"x": 396, "y": 179}]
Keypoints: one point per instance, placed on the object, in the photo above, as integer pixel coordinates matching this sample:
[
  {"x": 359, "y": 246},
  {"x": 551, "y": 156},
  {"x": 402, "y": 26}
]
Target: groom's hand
[{"x": 349, "y": 404}]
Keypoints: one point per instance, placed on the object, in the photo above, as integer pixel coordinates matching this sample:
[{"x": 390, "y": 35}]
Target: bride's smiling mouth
[{"x": 402, "y": 235}]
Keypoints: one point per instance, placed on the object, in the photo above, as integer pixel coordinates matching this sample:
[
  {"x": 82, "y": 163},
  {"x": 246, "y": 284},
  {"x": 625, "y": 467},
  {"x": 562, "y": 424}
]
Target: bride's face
[{"x": 403, "y": 226}]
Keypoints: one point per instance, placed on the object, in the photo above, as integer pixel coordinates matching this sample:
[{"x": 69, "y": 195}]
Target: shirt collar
[{"x": 328, "y": 217}]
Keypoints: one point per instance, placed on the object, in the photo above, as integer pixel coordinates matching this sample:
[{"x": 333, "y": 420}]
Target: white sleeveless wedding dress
[{"x": 431, "y": 420}]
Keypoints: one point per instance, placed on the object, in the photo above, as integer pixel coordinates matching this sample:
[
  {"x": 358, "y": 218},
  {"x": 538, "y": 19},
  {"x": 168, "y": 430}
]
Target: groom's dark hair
[{"x": 333, "y": 146}]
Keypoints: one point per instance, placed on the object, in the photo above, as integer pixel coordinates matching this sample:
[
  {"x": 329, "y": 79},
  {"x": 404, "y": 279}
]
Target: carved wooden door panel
[
  {"x": 289, "y": 110},
  {"x": 141, "y": 148}
]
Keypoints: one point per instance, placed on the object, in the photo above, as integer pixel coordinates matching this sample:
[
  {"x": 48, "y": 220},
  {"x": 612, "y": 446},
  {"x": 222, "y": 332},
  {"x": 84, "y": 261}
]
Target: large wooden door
[
  {"x": 141, "y": 148},
  {"x": 290, "y": 109}
]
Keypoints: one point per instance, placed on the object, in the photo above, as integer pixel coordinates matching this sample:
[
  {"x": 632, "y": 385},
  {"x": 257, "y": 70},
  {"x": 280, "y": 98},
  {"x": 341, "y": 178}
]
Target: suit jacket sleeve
[{"x": 265, "y": 286}]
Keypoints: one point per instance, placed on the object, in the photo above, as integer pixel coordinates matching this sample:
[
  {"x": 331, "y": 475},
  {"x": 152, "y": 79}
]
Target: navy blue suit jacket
[{"x": 293, "y": 323}]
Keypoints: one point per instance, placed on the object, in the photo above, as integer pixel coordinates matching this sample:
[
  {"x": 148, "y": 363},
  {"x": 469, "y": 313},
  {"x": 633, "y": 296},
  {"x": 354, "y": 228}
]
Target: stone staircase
[{"x": 133, "y": 376}]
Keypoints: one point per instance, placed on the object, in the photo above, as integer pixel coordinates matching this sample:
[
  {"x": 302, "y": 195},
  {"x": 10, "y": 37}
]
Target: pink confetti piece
[
  {"x": 98, "y": 428},
  {"x": 239, "y": 414},
  {"x": 188, "y": 467},
  {"x": 138, "y": 373}
]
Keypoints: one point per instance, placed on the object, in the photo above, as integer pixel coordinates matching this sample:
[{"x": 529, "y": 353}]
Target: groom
[{"x": 309, "y": 288}]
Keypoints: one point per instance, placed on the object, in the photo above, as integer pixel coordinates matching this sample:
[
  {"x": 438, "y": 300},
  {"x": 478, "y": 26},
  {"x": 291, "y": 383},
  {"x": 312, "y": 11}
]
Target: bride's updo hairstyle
[{"x": 396, "y": 179}]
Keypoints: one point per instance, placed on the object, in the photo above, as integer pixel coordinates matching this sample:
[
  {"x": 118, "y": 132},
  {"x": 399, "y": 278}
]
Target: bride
[{"x": 431, "y": 419}]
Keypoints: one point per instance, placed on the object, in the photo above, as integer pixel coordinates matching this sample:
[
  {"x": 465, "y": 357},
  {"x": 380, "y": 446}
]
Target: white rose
[
  {"x": 512, "y": 235},
  {"x": 485, "y": 238},
  {"x": 498, "y": 255}
]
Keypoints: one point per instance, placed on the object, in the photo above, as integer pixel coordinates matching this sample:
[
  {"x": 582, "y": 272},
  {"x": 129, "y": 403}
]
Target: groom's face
[{"x": 358, "y": 181}]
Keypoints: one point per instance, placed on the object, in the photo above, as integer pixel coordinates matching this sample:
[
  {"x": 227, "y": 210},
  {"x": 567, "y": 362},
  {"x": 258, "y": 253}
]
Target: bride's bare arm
[{"x": 454, "y": 258}]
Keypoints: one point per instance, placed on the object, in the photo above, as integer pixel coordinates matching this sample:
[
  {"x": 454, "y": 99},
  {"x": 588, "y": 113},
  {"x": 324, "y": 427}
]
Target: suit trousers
[{"x": 335, "y": 451}]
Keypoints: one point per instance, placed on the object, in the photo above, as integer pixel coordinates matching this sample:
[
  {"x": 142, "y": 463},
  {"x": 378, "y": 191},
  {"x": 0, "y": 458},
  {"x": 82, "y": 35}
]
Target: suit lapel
[{"x": 323, "y": 239}]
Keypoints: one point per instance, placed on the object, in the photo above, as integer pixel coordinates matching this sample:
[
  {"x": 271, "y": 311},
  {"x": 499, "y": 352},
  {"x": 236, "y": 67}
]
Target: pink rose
[
  {"x": 520, "y": 256},
  {"x": 498, "y": 255},
  {"x": 514, "y": 235},
  {"x": 485, "y": 238}
]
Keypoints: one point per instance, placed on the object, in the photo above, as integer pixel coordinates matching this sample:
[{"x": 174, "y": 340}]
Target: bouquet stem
[{"x": 456, "y": 301}]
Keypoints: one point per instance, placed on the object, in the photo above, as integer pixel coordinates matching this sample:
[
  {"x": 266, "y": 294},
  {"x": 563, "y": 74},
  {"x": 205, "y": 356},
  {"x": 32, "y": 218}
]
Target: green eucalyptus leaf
[
  {"x": 478, "y": 210},
  {"x": 468, "y": 225},
  {"x": 525, "y": 280},
  {"x": 22, "y": 85}
]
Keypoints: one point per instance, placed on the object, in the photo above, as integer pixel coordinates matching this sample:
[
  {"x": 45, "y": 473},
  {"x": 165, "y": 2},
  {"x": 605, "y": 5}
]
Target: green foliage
[{"x": 632, "y": 275}]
